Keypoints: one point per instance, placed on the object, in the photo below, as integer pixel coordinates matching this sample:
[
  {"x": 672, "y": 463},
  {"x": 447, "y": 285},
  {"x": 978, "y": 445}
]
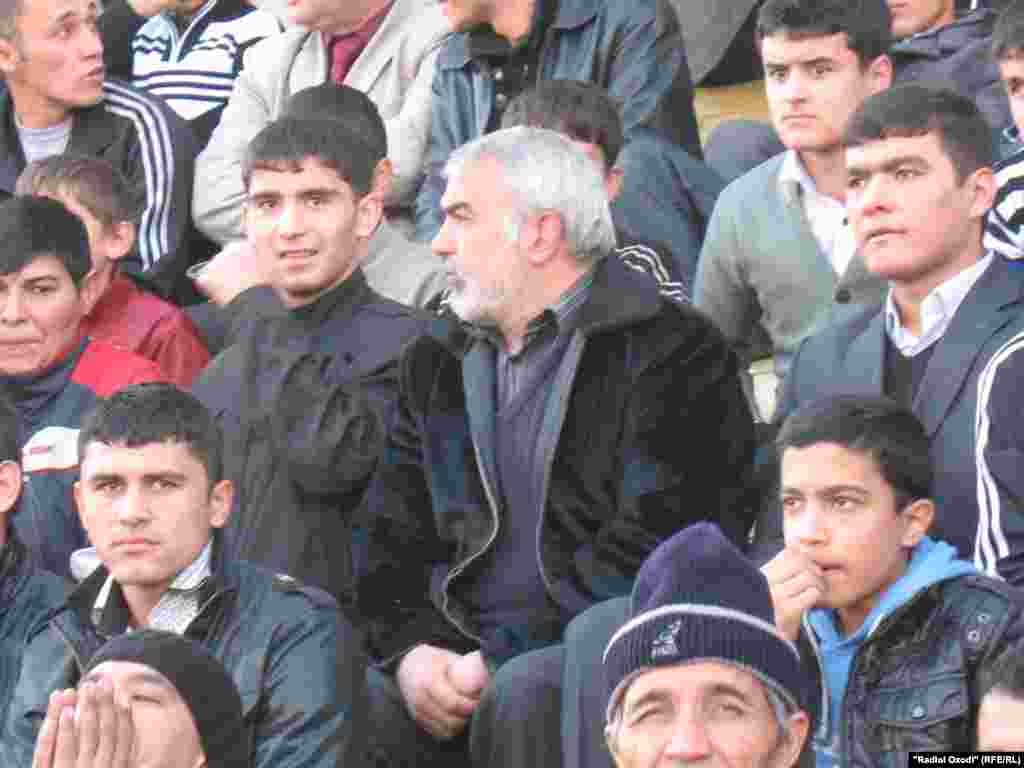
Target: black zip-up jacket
[
  {"x": 913, "y": 684},
  {"x": 647, "y": 431},
  {"x": 296, "y": 661},
  {"x": 302, "y": 399}
]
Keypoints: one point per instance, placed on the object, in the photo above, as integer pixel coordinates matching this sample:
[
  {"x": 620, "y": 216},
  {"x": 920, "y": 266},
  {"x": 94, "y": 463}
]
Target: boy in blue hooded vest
[{"x": 899, "y": 630}]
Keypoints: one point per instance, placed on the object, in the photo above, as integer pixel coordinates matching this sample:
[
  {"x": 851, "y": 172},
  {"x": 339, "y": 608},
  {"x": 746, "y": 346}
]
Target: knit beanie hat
[
  {"x": 202, "y": 682},
  {"x": 697, "y": 597}
]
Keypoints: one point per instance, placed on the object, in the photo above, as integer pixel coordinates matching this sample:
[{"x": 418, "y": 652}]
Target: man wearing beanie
[
  {"x": 149, "y": 698},
  {"x": 699, "y": 671},
  {"x": 899, "y": 630}
]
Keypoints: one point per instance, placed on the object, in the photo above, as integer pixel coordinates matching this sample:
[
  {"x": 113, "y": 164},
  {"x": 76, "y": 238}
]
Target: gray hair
[{"x": 546, "y": 172}]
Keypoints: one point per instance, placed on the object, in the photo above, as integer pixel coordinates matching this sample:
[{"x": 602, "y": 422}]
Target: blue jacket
[
  {"x": 634, "y": 48},
  {"x": 932, "y": 562},
  {"x": 26, "y": 595},
  {"x": 296, "y": 661}
]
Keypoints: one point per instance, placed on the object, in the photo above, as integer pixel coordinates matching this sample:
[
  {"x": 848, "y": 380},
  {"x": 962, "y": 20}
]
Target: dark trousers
[{"x": 517, "y": 723}]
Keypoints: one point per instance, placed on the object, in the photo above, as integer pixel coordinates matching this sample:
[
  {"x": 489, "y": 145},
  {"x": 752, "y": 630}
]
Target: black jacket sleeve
[{"x": 117, "y": 25}]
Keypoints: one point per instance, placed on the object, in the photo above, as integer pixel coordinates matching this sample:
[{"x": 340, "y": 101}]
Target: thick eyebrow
[
  {"x": 41, "y": 279},
  {"x": 800, "y": 63},
  {"x": 890, "y": 165},
  {"x": 105, "y": 477},
  {"x": 456, "y": 208},
  {"x": 829, "y": 490}
]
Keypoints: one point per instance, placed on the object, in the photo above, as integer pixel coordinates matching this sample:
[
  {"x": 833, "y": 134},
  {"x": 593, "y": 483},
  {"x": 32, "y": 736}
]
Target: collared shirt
[
  {"x": 937, "y": 311},
  {"x": 343, "y": 50},
  {"x": 542, "y": 332},
  {"x": 826, "y": 216},
  {"x": 179, "y": 605}
]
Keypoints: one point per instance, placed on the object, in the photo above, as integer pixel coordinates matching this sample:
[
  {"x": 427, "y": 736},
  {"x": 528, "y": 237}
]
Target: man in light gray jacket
[{"x": 385, "y": 49}]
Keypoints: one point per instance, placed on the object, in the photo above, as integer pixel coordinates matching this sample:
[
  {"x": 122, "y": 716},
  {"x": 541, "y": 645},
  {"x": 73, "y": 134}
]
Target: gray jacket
[
  {"x": 762, "y": 276},
  {"x": 394, "y": 70}
]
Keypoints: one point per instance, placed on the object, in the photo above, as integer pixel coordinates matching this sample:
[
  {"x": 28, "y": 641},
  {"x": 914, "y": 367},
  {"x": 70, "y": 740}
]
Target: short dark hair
[
  {"x": 10, "y": 431},
  {"x": 580, "y": 110},
  {"x": 918, "y": 109},
  {"x": 92, "y": 182},
  {"x": 142, "y": 414},
  {"x": 286, "y": 143},
  {"x": 1008, "y": 33},
  {"x": 867, "y": 24},
  {"x": 874, "y": 426},
  {"x": 1005, "y": 674},
  {"x": 32, "y": 226},
  {"x": 349, "y": 106}
]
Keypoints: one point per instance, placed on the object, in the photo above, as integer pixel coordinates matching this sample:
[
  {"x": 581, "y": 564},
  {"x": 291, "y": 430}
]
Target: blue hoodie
[{"x": 931, "y": 562}]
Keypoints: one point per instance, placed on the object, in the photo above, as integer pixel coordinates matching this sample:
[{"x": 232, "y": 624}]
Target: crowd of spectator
[{"x": 526, "y": 383}]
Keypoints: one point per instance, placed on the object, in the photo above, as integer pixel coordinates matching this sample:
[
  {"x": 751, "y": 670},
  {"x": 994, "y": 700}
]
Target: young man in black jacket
[
  {"x": 152, "y": 499},
  {"x": 300, "y": 471},
  {"x": 897, "y": 628}
]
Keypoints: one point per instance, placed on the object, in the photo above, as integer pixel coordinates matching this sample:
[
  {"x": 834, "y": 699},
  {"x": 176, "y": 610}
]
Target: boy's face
[
  {"x": 1011, "y": 71},
  {"x": 310, "y": 226},
  {"x": 814, "y": 84},
  {"x": 149, "y": 509},
  {"x": 894, "y": 187},
  {"x": 839, "y": 510}
]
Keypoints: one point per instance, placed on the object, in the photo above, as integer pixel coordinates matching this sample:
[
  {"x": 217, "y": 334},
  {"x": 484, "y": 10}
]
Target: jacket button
[
  {"x": 917, "y": 712},
  {"x": 843, "y": 296},
  {"x": 984, "y": 618},
  {"x": 973, "y": 635}
]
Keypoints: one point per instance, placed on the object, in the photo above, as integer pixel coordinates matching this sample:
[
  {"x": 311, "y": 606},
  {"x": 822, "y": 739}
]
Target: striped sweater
[{"x": 193, "y": 70}]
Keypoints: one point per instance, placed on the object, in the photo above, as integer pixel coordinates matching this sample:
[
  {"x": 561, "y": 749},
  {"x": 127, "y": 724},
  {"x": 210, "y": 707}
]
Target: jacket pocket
[{"x": 934, "y": 715}]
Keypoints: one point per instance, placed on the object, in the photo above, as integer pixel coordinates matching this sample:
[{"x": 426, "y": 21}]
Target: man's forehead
[
  {"x": 786, "y": 48},
  {"x": 292, "y": 177},
  {"x": 697, "y": 677},
  {"x": 54, "y": 9},
  {"x": 149, "y": 458},
  {"x": 924, "y": 148},
  {"x": 43, "y": 265}
]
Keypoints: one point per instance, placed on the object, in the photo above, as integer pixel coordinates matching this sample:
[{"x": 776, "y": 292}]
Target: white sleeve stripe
[
  {"x": 990, "y": 543},
  {"x": 158, "y": 167}
]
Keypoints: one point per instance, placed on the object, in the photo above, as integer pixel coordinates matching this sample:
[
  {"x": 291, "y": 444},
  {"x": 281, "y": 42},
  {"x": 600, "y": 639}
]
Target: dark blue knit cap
[{"x": 697, "y": 597}]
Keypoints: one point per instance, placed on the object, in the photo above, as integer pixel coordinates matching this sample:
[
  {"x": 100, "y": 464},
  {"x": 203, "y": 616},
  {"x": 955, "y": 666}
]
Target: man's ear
[
  {"x": 222, "y": 496},
  {"x": 10, "y": 490},
  {"x": 10, "y": 57},
  {"x": 547, "y": 237},
  {"x": 613, "y": 183},
  {"x": 91, "y": 291},
  {"x": 383, "y": 178},
  {"x": 787, "y": 755},
  {"x": 369, "y": 212},
  {"x": 983, "y": 185},
  {"x": 918, "y": 516},
  {"x": 122, "y": 237},
  {"x": 880, "y": 71}
]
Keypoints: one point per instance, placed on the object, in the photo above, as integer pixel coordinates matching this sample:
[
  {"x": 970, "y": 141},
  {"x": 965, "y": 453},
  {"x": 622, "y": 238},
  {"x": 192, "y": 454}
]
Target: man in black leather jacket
[{"x": 899, "y": 630}]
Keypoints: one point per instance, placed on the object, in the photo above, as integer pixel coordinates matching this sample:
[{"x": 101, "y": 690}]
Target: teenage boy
[
  {"x": 153, "y": 500},
  {"x": 899, "y": 630},
  {"x": 119, "y": 308},
  {"x": 779, "y": 258},
  {"x": 919, "y": 162}
]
